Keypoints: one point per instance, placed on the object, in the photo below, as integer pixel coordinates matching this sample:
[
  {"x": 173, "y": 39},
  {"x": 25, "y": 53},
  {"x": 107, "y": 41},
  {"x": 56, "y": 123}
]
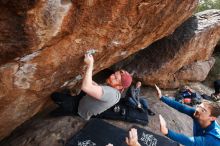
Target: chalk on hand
[{"x": 91, "y": 51}]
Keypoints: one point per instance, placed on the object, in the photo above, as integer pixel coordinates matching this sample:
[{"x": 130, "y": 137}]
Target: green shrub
[{"x": 208, "y": 4}]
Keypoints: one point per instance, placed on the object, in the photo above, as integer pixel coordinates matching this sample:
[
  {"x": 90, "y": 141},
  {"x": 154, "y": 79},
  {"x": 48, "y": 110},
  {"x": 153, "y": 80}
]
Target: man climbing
[
  {"x": 98, "y": 98},
  {"x": 206, "y": 131},
  {"x": 136, "y": 101}
]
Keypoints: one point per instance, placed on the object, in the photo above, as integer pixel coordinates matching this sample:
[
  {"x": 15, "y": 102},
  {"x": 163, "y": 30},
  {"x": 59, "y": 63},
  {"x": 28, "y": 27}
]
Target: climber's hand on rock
[{"x": 89, "y": 60}]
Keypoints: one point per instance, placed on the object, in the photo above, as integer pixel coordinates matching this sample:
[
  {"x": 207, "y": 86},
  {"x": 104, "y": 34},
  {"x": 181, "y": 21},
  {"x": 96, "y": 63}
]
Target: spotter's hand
[
  {"x": 159, "y": 94},
  {"x": 163, "y": 125}
]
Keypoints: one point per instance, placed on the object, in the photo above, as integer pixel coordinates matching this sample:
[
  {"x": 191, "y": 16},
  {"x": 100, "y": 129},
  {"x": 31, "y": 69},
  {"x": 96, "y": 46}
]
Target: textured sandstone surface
[
  {"x": 162, "y": 62},
  {"x": 42, "y": 44}
]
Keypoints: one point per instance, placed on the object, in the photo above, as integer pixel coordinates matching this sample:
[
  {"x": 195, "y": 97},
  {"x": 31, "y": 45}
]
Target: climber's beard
[{"x": 113, "y": 83}]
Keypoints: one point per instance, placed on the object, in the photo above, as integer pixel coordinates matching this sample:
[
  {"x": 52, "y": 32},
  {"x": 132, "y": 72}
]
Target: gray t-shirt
[{"x": 89, "y": 106}]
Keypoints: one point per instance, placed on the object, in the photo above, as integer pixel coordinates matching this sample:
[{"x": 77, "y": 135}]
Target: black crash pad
[
  {"x": 131, "y": 115},
  {"x": 147, "y": 138},
  {"x": 99, "y": 133}
]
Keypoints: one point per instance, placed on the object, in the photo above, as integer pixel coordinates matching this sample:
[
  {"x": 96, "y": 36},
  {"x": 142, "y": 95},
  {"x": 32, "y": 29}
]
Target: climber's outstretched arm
[{"x": 88, "y": 85}]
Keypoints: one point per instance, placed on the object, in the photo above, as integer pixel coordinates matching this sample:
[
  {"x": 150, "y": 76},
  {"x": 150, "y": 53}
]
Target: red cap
[{"x": 126, "y": 79}]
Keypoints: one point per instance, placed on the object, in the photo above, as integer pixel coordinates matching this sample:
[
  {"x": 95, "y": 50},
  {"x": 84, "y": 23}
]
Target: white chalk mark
[
  {"x": 24, "y": 76},
  {"x": 86, "y": 143},
  {"x": 148, "y": 139},
  {"x": 29, "y": 57}
]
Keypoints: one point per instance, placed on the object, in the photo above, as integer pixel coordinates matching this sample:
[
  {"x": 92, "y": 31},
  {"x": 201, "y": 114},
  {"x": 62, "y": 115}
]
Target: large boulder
[
  {"x": 197, "y": 71},
  {"x": 163, "y": 62},
  {"x": 42, "y": 44}
]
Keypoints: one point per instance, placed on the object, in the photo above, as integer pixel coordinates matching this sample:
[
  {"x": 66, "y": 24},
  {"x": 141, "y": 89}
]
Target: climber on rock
[
  {"x": 206, "y": 130},
  {"x": 96, "y": 98}
]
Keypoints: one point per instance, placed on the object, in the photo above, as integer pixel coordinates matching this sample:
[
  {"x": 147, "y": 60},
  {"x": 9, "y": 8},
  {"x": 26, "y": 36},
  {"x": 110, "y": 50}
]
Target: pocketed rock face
[
  {"x": 163, "y": 62},
  {"x": 42, "y": 44}
]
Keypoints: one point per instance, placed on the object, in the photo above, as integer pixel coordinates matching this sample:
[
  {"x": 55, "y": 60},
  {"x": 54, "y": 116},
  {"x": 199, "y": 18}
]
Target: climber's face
[
  {"x": 138, "y": 84},
  {"x": 115, "y": 80}
]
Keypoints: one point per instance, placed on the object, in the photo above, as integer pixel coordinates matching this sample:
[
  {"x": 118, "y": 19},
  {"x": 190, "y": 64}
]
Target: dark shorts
[{"x": 68, "y": 105}]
